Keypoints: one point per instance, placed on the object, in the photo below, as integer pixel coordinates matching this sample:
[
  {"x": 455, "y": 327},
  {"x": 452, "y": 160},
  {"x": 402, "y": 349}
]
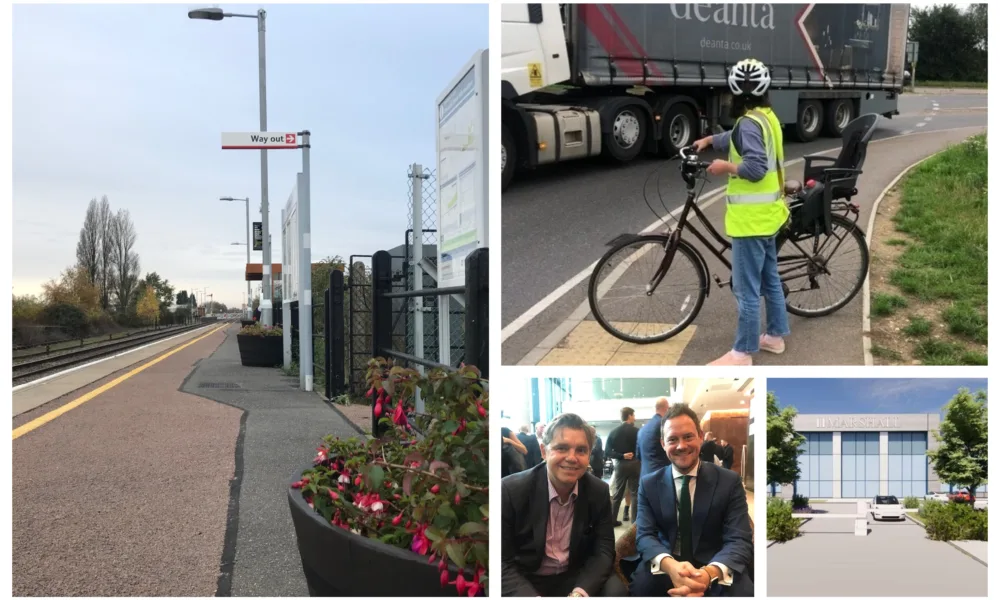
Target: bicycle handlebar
[{"x": 689, "y": 156}]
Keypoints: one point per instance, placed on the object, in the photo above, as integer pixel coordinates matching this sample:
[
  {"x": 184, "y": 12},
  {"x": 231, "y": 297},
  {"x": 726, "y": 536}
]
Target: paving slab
[
  {"x": 281, "y": 429},
  {"x": 828, "y": 560}
]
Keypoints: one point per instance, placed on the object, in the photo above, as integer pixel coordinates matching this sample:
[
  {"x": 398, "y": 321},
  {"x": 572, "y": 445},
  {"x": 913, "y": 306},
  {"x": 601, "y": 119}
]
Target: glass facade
[
  {"x": 859, "y": 464},
  {"x": 908, "y": 463},
  {"x": 816, "y": 466}
]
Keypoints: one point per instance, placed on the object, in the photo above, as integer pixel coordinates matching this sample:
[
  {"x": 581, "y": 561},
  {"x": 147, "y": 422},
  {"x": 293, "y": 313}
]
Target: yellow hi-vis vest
[{"x": 757, "y": 209}]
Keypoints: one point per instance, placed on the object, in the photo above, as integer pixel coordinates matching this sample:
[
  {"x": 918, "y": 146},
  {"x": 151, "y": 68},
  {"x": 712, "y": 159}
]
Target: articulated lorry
[{"x": 582, "y": 80}]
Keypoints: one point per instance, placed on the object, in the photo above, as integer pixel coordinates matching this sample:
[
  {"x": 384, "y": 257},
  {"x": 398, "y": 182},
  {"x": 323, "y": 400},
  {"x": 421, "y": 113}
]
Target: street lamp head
[{"x": 209, "y": 14}]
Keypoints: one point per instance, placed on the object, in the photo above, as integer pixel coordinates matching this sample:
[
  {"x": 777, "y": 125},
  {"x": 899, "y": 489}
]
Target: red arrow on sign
[{"x": 289, "y": 138}]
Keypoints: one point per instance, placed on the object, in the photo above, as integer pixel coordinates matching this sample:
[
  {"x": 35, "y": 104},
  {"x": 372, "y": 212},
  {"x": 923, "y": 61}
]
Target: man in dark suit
[
  {"x": 621, "y": 447},
  {"x": 557, "y": 537},
  {"x": 648, "y": 449},
  {"x": 709, "y": 448},
  {"x": 725, "y": 454},
  {"x": 530, "y": 442},
  {"x": 693, "y": 529}
]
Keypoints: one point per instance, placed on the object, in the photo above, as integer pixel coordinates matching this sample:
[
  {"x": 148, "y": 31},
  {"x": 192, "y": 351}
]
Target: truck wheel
[
  {"x": 628, "y": 134},
  {"x": 679, "y": 129},
  {"x": 809, "y": 122},
  {"x": 508, "y": 157},
  {"x": 839, "y": 113}
]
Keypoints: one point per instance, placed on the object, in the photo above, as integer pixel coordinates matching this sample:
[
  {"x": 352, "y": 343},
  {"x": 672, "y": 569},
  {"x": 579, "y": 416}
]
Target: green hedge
[
  {"x": 911, "y": 502},
  {"x": 781, "y": 525},
  {"x": 946, "y": 521},
  {"x": 799, "y": 501}
]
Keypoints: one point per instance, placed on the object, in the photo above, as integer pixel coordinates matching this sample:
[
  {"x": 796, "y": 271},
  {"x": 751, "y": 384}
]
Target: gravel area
[{"x": 127, "y": 494}]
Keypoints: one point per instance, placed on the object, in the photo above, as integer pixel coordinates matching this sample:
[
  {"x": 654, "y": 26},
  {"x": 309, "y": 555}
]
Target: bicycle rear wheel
[
  {"x": 805, "y": 263},
  {"x": 618, "y": 290}
]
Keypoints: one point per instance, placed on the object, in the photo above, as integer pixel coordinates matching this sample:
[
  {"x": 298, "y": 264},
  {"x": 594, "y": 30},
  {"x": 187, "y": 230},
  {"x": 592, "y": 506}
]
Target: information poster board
[
  {"x": 462, "y": 169},
  {"x": 258, "y": 235}
]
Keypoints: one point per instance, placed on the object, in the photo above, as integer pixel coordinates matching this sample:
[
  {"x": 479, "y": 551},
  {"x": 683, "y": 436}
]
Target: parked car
[
  {"x": 937, "y": 497},
  {"x": 960, "y": 497},
  {"x": 887, "y": 507}
]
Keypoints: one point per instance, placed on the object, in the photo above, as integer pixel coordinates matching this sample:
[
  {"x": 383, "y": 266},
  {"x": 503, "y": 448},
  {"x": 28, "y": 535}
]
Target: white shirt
[{"x": 727, "y": 576}]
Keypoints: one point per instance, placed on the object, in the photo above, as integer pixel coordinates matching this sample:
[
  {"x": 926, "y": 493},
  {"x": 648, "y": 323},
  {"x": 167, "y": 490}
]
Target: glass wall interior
[
  {"x": 907, "y": 463},
  {"x": 816, "y": 466},
  {"x": 859, "y": 470}
]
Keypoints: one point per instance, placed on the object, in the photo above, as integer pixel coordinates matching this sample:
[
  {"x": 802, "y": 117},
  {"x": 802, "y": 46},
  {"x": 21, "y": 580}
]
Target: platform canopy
[{"x": 255, "y": 271}]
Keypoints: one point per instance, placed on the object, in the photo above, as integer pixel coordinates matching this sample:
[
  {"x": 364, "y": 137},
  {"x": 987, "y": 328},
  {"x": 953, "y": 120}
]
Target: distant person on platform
[
  {"x": 694, "y": 531},
  {"x": 534, "y": 455},
  {"x": 557, "y": 538},
  {"x": 621, "y": 448},
  {"x": 512, "y": 453},
  {"x": 725, "y": 454}
]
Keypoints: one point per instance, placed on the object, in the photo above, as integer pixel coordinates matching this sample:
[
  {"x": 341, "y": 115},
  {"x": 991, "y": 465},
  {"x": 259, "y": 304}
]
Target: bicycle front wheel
[
  {"x": 624, "y": 301},
  {"x": 824, "y": 273}
]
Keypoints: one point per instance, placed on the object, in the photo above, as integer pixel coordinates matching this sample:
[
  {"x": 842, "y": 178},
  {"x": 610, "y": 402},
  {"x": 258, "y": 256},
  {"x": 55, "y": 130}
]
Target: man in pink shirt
[{"x": 557, "y": 530}]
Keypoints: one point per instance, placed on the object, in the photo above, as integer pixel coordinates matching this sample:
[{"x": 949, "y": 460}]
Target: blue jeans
[{"x": 755, "y": 274}]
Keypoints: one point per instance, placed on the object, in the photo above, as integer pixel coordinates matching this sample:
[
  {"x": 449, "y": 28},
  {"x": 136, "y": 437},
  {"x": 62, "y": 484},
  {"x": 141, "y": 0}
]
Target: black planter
[
  {"x": 337, "y": 562},
  {"x": 247, "y": 323},
  {"x": 260, "y": 351}
]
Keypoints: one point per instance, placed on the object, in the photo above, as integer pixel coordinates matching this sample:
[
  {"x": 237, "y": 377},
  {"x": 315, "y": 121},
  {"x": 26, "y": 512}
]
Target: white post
[
  {"x": 286, "y": 312},
  {"x": 861, "y": 522},
  {"x": 305, "y": 275},
  {"x": 416, "y": 187}
]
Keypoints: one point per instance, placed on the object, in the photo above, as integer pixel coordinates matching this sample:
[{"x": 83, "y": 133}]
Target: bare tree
[
  {"x": 123, "y": 259},
  {"x": 88, "y": 246},
  {"x": 106, "y": 251}
]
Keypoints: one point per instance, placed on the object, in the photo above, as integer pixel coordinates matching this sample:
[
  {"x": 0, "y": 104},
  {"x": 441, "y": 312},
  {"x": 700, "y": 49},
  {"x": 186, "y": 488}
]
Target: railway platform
[{"x": 163, "y": 475}]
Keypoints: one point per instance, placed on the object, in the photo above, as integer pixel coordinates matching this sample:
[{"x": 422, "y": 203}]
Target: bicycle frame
[{"x": 690, "y": 205}]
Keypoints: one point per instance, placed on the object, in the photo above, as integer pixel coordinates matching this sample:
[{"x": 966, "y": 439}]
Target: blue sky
[
  {"x": 869, "y": 395},
  {"x": 129, "y": 101}
]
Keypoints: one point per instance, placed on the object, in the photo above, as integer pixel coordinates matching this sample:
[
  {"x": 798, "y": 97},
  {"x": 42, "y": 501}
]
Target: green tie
[{"x": 685, "y": 519}]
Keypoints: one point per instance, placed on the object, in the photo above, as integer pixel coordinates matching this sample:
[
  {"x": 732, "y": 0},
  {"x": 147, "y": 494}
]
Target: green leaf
[
  {"x": 472, "y": 528},
  {"x": 481, "y": 552},
  {"x": 485, "y": 509},
  {"x": 434, "y": 534},
  {"x": 377, "y": 476},
  {"x": 456, "y": 554},
  {"x": 446, "y": 511}
]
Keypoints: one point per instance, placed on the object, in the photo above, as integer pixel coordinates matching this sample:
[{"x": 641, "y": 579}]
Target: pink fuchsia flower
[
  {"x": 460, "y": 584},
  {"x": 397, "y": 519},
  {"x": 376, "y": 506},
  {"x": 435, "y": 488},
  {"x": 473, "y": 589},
  {"x": 420, "y": 543},
  {"x": 334, "y": 496},
  {"x": 357, "y": 481},
  {"x": 482, "y": 413},
  {"x": 444, "y": 578},
  {"x": 378, "y": 409},
  {"x": 341, "y": 487},
  {"x": 371, "y": 391},
  {"x": 343, "y": 478},
  {"x": 399, "y": 416}
]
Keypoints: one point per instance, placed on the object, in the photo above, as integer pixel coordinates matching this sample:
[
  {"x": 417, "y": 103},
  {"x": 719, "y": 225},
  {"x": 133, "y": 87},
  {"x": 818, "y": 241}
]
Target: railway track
[{"x": 31, "y": 369}]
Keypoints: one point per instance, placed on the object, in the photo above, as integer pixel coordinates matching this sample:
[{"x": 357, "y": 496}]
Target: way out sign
[{"x": 260, "y": 140}]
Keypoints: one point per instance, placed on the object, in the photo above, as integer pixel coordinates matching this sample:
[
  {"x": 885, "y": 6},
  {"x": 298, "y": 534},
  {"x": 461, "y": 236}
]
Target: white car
[
  {"x": 937, "y": 497},
  {"x": 887, "y": 507}
]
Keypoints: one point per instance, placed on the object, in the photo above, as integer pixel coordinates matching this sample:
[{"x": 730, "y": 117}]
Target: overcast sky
[{"x": 129, "y": 102}]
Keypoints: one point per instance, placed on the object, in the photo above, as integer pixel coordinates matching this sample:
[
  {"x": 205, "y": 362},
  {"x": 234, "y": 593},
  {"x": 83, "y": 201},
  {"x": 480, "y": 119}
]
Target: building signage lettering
[{"x": 857, "y": 422}]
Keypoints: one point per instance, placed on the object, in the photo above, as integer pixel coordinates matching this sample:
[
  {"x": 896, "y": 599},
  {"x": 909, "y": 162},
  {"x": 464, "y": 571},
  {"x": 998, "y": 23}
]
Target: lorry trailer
[{"x": 618, "y": 80}]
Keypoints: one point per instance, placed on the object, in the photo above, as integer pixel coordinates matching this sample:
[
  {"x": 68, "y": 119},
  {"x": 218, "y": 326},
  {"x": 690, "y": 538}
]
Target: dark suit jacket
[
  {"x": 720, "y": 523},
  {"x": 726, "y": 456},
  {"x": 530, "y": 442},
  {"x": 648, "y": 448},
  {"x": 524, "y": 517}
]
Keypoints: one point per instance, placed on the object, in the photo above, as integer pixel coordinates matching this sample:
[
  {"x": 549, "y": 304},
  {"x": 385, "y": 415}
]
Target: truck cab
[{"x": 534, "y": 53}]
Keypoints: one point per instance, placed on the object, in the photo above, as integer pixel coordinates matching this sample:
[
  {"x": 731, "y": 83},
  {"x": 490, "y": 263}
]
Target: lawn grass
[
  {"x": 943, "y": 213},
  {"x": 954, "y": 84}
]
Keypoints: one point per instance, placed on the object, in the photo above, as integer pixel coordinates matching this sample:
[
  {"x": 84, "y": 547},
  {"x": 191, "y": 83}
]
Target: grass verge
[
  {"x": 978, "y": 85},
  {"x": 929, "y": 267}
]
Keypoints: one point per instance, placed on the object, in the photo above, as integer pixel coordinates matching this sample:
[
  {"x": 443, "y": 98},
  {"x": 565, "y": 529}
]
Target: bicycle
[{"x": 667, "y": 247}]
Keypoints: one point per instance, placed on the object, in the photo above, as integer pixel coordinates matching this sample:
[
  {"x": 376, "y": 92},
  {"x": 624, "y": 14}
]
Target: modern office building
[{"x": 859, "y": 456}]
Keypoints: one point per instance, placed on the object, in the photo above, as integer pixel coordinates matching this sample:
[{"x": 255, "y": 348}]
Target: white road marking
[
  {"x": 529, "y": 315},
  {"x": 927, "y": 118},
  {"x": 907, "y": 132}
]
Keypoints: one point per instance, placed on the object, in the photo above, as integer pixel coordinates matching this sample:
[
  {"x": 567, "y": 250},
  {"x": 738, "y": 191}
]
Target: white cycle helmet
[{"x": 749, "y": 76}]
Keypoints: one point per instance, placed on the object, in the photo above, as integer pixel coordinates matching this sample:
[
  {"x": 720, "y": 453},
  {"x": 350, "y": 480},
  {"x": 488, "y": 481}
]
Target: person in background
[
  {"x": 709, "y": 448},
  {"x": 597, "y": 457},
  {"x": 557, "y": 538},
  {"x": 513, "y": 453},
  {"x": 725, "y": 454},
  {"x": 621, "y": 448},
  {"x": 534, "y": 455},
  {"x": 648, "y": 448}
]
